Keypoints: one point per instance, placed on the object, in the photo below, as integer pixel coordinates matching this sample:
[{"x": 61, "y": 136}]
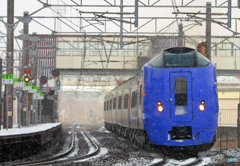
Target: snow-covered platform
[{"x": 41, "y": 134}]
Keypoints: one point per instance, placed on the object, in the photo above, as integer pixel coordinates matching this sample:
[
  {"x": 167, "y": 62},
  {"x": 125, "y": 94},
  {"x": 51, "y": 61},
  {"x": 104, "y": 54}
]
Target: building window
[
  {"x": 111, "y": 48},
  {"x": 104, "y": 106},
  {"x": 108, "y": 105},
  {"x": 78, "y": 49},
  {"x": 95, "y": 49},
  {"x": 64, "y": 48}
]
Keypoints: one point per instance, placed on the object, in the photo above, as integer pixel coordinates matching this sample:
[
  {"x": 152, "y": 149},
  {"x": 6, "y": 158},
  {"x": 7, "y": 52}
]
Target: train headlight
[
  {"x": 160, "y": 106},
  {"x": 202, "y": 106}
]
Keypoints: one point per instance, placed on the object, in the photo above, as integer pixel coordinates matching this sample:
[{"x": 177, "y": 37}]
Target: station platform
[
  {"x": 27, "y": 141},
  {"x": 45, "y": 132}
]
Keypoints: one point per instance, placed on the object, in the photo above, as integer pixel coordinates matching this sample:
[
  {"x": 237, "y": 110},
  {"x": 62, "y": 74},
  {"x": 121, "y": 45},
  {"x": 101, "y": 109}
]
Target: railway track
[
  {"x": 166, "y": 161},
  {"x": 60, "y": 158}
]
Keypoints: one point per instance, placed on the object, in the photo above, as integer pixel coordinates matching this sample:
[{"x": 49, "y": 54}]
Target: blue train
[{"x": 172, "y": 103}]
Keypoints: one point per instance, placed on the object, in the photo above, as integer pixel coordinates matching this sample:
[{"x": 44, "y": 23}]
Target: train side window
[
  {"x": 125, "y": 99},
  {"x": 114, "y": 103},
  {"x": 119, "y": 102},
  {"x": 104, "y": 106},
  {"x": 107, "y": 105},
  {"x": 134, "y": 99},
  {"x": 140, "y": 95},
  {"x": 110, "y": 104}
]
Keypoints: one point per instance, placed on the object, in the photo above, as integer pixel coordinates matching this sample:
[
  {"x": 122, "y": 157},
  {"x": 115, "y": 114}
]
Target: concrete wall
[{"x": 75, "y": 107}]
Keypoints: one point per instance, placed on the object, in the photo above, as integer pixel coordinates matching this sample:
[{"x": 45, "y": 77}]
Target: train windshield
[
  {"x": 179, "y": 60},
  {"x": 172, "y": 58}
]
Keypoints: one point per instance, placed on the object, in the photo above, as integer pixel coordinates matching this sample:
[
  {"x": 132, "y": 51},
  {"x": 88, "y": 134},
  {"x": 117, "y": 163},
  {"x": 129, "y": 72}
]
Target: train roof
[
  {"x": 178, "y": 57},
  {"x": 179, "y": 50}
]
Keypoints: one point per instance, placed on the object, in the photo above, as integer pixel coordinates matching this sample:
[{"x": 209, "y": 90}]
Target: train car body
[{"x": 172, "y": 103}]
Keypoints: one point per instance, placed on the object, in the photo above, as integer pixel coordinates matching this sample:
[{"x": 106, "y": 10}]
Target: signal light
[
  {"x": 55, "y": 73},
  {"x": 43, "y": 80},
  {"x": 26, "y": 79},
  {"x": 202, "y": 106},
  {"x": 160, "y": 106}
]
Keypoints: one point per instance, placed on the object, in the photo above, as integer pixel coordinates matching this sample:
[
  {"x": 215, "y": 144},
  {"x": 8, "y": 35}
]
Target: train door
[{"x": 181, "y": 97}]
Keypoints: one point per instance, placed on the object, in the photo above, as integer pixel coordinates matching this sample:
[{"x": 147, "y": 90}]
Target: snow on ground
[
  {"x": 232, "y": 152},
  {"x": 66, "y": 145},
  {"x": 28, "y": 130},
  {"x": 104, "y": 130}
]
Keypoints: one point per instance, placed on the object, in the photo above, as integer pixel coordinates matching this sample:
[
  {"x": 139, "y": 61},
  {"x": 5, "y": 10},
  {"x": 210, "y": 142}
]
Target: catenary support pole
[
  {"x": 10, "y": 53},
  {"x": 34, "y": 76},
  {"x": 36, "y": 113},
  {"x": 40, "y": 107},
  {"x": 180, "y": 35},
  {"x": 6, "y": 112},
  {"x": 32, "y": 108},
  {"x": 19, "y": 108},
  {"x": 27, "y": 112},
  {"x": 25, "y": 63},
  {"x": 208, "y": 30}
]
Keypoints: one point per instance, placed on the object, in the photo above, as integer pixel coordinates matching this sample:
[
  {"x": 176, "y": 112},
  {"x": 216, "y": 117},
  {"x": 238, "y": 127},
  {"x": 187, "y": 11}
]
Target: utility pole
[
  {"x": 34, "y": 77},
  {"x": 10, "y": 52},
  {"x": 208, "y": 29},
  {"x": 180, "y": 35},
  {"x": 25, "y": 116}
]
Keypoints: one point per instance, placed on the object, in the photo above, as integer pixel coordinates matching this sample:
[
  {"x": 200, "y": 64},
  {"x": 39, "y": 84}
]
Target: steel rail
[
  {"x": 196, "y": 161},
  {"x": 55, "y": 160},
  {"x": 162, "y": 162}
]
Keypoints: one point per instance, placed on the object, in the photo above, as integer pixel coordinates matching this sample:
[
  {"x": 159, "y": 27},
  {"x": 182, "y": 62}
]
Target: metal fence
[{"x": 227, "y": 117}]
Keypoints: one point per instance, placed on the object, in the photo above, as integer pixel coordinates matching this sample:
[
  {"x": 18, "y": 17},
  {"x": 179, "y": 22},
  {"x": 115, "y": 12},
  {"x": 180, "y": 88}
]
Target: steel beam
[
  {"x": 99, "y": 71},
  {"x": 128, "y": 72}
]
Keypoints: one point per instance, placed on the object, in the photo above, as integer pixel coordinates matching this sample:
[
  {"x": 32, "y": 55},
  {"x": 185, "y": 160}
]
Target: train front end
[{"x": 180, "y": 104}]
